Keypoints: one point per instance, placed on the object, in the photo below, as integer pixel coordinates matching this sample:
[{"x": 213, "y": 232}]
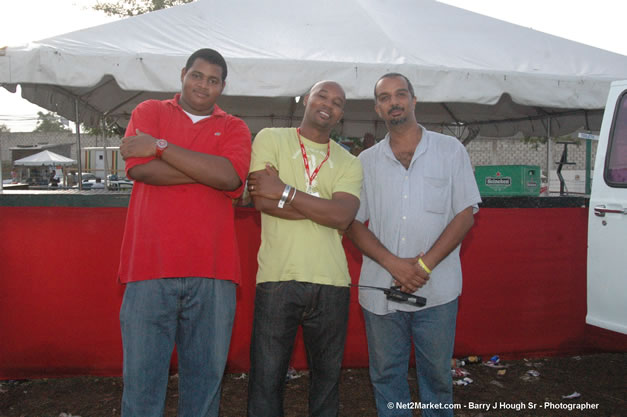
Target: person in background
[
  {"x": 368, "y": 141},
  {"x": 419, "y": 195},
  {"x": 179, "y": 257},
  {"x": 53, "y": 181}
]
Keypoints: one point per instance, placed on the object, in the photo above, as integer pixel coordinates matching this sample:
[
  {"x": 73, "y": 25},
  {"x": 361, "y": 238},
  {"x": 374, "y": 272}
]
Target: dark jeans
[{"x": 280, "y": 307}]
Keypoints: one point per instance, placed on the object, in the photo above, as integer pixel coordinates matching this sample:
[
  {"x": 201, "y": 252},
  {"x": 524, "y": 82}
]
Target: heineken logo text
[{"x": 498, "y": 181}]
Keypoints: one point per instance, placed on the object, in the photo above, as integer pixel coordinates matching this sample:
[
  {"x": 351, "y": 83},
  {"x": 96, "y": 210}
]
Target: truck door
[{"x": 607, "y": 219}]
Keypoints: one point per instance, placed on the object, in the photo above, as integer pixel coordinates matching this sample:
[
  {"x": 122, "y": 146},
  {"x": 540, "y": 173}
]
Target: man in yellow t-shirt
[{"x": 307, "y": 188}]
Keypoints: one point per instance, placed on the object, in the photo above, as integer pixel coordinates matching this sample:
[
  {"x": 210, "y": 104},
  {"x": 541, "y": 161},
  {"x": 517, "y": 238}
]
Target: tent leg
[
  {"x": 1, "y": 186},
  {"x": 104, "y": 146},
  {"x": 549, "y": 155},
  {"x": 78, "y": 150},
  {"x": 588, "y": 167}
]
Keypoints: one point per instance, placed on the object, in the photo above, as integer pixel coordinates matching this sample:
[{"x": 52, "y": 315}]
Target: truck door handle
[{"x": 601, "y": 210}]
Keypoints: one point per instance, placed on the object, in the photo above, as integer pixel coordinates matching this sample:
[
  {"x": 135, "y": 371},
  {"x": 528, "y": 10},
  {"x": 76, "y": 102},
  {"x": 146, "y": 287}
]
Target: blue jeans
[
  {"x": 280, "y": 307},
  {"x": 389, "y": 345},
  {"x": 196, "y": 314}
]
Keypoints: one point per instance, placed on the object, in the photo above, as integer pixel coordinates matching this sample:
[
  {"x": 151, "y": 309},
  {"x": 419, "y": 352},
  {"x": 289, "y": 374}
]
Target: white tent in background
[
  {"x": 472, "y": 74},
  {"x": 44, "y": 158},
  {"x": 47, "y": 159}
]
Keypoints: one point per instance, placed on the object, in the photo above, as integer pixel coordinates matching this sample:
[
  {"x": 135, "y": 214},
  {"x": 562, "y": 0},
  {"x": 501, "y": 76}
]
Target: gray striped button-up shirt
[{"x": 408, "y": 210}]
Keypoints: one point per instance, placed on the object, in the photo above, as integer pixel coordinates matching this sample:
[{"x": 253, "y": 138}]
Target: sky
[{"x": 598, "y": 23}]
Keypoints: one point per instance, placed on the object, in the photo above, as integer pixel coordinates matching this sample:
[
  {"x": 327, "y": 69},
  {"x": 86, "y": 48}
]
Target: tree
[
  {"x": 127, "y": 8},
  {"x": 111, "y": 129},
  {"x": 4, "y": 128},
  {"x": 50, "y": 122}
]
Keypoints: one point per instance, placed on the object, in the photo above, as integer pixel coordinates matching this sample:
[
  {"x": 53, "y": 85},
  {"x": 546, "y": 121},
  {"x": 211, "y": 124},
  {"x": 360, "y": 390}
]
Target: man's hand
[
  {"x": 142, "y": 145},
  {"x": 407, "y": 273},
  {"x": 266, "y": 183}
]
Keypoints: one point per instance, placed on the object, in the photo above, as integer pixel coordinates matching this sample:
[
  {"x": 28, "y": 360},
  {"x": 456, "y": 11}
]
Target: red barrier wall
[{"x": 524, "y": 290}]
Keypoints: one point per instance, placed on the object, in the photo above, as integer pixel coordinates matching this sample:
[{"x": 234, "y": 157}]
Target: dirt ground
[{"x": 530, "y": 387}]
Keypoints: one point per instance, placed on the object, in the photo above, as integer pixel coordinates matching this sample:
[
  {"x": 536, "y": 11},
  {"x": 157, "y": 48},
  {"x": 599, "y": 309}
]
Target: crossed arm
[
  {"x": 178, "y": 165},
  {"x": 266, "y": 189},
  {"x": 407, "y": 271}
]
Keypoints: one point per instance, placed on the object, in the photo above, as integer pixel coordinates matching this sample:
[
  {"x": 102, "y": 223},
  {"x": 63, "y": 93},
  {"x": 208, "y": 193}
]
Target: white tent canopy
[
  {"x": 44, "y": 158},
  {"x": 471, "y": 72}
]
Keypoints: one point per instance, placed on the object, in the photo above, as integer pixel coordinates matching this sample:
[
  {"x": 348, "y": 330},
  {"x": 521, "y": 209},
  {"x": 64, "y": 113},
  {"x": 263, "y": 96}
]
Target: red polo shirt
[{"x": 184, "y": 230}]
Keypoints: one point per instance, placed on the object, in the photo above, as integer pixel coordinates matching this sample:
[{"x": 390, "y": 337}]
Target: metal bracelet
[
  {"x": 286, "y": 192},
  {"x": 292, "y": 197}
]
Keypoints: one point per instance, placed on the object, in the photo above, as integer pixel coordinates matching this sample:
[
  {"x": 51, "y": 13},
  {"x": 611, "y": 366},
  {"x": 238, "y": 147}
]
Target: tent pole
[
  {"x": 104, "y": 145},
  {"x": 588, "y": 166},
  {"x": 78, "y": 152},
  {"x": 1, "y": 179},
  {"x": 549, "y": 155}
]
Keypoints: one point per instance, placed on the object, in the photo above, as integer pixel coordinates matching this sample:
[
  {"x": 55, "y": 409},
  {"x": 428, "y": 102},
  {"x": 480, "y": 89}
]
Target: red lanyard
[{"x": 306, "y": 162}]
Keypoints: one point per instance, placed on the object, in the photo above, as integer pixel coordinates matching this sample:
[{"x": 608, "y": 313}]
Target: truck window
[{"x": 616, "y": 160}]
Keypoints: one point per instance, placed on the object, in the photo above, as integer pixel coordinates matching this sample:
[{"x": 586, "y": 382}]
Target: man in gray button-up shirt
[{"x": 419, "y": 196}]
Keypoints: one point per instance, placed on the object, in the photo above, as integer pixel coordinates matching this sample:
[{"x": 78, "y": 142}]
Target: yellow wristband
[{"x": 425, "y": 267}]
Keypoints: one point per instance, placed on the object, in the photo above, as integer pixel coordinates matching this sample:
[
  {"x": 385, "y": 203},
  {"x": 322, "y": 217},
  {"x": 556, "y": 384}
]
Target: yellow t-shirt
[{"x": 301, "y": 250}]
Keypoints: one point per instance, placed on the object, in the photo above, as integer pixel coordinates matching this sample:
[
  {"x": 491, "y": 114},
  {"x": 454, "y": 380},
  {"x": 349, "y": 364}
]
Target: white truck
[{"x": 607, "y": 219}]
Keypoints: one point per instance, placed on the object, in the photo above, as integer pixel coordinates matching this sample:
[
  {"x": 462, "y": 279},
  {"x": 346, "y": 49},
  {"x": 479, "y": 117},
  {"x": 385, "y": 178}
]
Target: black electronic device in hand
[{"x": 395, "y": 294}]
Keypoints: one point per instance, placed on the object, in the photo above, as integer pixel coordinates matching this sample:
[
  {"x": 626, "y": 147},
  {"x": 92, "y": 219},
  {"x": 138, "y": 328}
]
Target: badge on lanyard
[{"x": 311, "y": 177}]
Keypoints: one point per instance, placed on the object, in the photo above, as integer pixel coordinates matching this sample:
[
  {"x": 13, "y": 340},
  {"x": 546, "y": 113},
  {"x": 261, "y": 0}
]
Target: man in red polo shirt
[{"x": 179, "y": 257}]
